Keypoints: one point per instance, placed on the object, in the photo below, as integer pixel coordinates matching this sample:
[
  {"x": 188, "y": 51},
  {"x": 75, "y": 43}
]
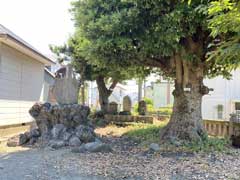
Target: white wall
[
  {"x": 161, "y": 93},
  {"x": 226, "y": 92},
  {"x": 21, "y": 82}
]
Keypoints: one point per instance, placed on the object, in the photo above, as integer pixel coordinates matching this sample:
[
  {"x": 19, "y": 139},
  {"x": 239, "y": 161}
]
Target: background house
[
  {"x": 117, "y": 96},
  {"x": 161, "y": 93},
  {"x": 21, "y": 78},
  {"x": 224, "y": 100},
  {"x": 217, "y": 105}
]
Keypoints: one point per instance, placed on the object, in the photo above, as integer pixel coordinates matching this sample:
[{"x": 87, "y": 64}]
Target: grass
[
  {"x": 149, "y": 133},
  {"x": 146, "y": 133},
  {"x": 134, "y": 130},
  {"x": 209, "y": 145}
]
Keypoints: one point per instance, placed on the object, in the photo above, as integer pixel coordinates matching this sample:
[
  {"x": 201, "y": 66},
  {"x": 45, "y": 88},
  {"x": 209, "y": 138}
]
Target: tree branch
[
  {"x": 179, "y": 69},
  {"x": 113, "y": 85}
]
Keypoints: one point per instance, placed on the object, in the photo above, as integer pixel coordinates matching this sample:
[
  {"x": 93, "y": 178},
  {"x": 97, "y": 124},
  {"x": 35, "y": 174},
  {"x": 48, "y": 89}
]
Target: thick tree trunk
[
  {"x": 104, "y": 92},
  {"x": 186, "y": 121}
]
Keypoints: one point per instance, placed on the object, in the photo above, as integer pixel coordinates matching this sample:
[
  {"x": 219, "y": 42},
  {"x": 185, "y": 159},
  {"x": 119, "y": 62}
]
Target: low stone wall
[
  {"x": 221, "y": 128},
  {"x": 161, "y": 117},
  {"x": 129, "y": 118}
]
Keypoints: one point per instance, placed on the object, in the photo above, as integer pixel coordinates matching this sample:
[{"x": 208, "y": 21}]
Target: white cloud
[{"x": 39, "y": 22}]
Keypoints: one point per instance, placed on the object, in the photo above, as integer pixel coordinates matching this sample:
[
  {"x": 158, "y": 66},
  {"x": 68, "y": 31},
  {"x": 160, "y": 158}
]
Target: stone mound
[{"x": 59, "y": 126}]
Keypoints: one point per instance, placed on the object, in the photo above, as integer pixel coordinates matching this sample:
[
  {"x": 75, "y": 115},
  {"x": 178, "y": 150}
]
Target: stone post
[
  {"x": 142, "y": 108},
  {"x": 66, "y": 89},
  {"x": 127, "y": 106},
  {"x": 113, "y": 108}
]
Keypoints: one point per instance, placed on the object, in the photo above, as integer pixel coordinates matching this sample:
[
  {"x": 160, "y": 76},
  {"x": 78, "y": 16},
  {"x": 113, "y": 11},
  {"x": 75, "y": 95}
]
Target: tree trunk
[
  {"x": 140, "y": 82},
  {"x": 103, "y": 100},
  {"x": 186, "y": 121},
  {"x": 104, "y": 92},
  {"x": 83, "y": 93}
]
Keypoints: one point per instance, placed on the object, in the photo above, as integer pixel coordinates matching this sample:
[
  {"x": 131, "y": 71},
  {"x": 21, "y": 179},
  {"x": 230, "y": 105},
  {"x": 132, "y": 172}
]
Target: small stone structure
[
  {"x": 113, "y": 108},
  {"x": 66, "y": 88},
  {"x": 142, "y": 108},
  {"x": 118, "y": 119},
  {"x": 127, "y": 106},
  {"x": 59, "y": 125}
]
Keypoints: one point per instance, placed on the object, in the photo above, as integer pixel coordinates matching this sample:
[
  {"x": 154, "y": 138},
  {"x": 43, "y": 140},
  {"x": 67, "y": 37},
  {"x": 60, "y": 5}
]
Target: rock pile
[{"x": 59, "y": 126}]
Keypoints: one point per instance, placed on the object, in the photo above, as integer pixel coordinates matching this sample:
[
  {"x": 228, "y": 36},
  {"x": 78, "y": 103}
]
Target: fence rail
[{"x": 217, "y": 128}]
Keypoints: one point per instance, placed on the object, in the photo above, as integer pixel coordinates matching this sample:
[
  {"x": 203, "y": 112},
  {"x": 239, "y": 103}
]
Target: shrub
[{"x": 165, "y": 110}]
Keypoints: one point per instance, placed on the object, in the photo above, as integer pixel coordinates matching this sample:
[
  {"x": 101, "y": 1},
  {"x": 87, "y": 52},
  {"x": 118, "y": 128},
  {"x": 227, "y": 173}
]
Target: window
[
  {"x": 237, "y": 107},
  {"x": 220, "y": 111}
]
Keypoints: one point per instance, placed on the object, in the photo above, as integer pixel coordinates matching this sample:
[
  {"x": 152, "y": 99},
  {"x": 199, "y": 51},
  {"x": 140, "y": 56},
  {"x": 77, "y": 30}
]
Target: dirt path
[{"x": 39, "y": 164}]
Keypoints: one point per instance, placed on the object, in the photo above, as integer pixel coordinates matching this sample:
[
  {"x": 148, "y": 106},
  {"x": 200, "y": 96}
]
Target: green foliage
[
  {"x": 148, "y": 101},
  {"x": 209, "y": 145},
  {"x": 150, "y": 107},
  {"x": 224, "y": 22},
  {"x": 151, "y": 110},
  {"x": 149, "y": 32},
  {"x": 165, "y": 110},
  {"x": 134, "y": 30},
  {"x": 145, "y": 133}
]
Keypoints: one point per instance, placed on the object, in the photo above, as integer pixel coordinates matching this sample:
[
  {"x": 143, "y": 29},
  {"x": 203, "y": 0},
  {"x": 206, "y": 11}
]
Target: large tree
[{"x": 170, "y": 35}]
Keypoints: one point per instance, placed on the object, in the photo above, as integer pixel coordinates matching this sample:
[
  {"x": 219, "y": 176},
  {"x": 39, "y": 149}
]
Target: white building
[
  {"x": 21, "y": 78},
  {"x": 217, "y": 105},
  {"x": 224, "y": 100},
  {"x": 117, "y": 95}
]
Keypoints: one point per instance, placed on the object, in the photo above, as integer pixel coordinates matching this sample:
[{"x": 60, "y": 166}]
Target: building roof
[
  {"x": 49, "y": 72},
  {"x": 6, "y": 33}
]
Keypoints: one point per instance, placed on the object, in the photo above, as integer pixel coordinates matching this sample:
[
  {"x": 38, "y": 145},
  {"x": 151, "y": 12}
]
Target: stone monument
[
  {"x": 142, "y": 108},
  {"x": 113, "y": 108},
  {"x": 127, "y": 106},
  {"x": 66, "y": 89}
]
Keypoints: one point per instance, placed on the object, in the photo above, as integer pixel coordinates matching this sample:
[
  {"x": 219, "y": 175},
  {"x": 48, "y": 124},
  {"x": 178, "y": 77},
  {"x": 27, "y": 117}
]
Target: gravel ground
[
  {"x": 126, "y": 162},
  {"x": 40, "y": 164}
]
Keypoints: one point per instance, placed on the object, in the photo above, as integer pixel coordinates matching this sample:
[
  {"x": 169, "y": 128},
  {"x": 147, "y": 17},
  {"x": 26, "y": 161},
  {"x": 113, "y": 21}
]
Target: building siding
[
  {"x": 226, "y": 93},
  {"x": 21, "y": 83}
]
